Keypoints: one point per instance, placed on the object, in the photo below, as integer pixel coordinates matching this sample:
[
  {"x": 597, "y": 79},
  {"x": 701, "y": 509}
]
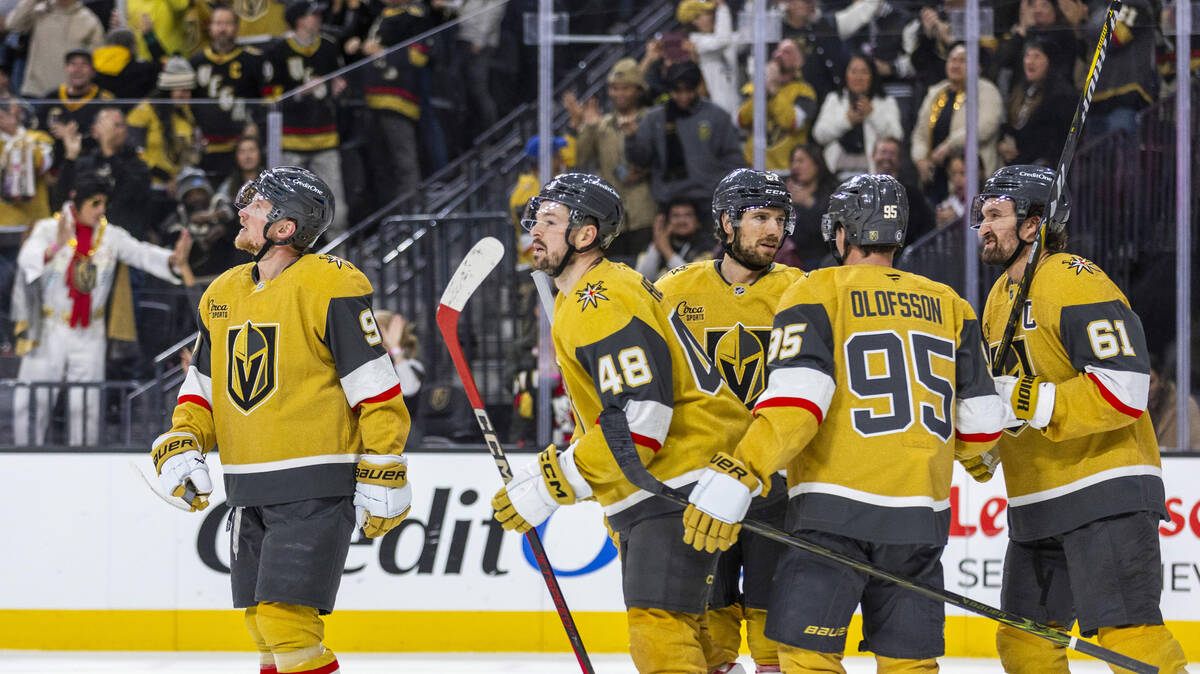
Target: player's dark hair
[
  {"x": 221, "y": 6},
  {"x": 1056, "y": 240},
  {"x": 877, "y": 249}
]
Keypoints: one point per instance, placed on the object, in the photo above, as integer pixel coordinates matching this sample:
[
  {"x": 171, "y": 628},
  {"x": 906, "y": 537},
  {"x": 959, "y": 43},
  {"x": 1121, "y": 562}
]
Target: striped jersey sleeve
[
  {"x": 193, "y": 410},
  {"x": 978, "y": 411}
]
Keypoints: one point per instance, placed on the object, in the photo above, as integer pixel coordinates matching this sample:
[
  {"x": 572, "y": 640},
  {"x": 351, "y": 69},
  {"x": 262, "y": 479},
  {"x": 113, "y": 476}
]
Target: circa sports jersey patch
[
  {"x": 251, "y": 363},
  {"x": 591, "y": 295},
  {"x": 1080, "y": 265}
]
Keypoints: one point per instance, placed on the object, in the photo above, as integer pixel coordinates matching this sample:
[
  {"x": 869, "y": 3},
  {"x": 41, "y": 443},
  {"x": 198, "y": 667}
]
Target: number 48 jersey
[{"x": 877, "y": 381}]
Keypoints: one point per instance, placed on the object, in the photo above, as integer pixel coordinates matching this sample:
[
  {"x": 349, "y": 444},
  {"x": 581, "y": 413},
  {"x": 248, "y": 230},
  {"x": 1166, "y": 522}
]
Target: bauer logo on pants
[{"x": 250, "y": 371}]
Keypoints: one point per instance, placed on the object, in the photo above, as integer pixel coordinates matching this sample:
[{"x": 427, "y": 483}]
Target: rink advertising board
[{"x": 95, "y": 561}]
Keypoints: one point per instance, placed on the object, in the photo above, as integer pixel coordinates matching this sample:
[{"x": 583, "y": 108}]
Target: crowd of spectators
[{"x": 167, "y": 97}]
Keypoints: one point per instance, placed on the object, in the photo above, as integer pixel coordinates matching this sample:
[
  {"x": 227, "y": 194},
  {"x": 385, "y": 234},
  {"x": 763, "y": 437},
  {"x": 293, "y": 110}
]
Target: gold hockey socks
[
  {"x": 723, "y": 637},
  {"x": 794, "y": 660},
  {"x": 665, "y": 642},
  {"x": 764, "y": 651},
  {"x": 1023, "y": 653},
  {"x": 266, "y": 661},
  {"x": 905, "y": 666},
  {"x": 1152, "y": 644},
  {"x": 294, "y": 634}
]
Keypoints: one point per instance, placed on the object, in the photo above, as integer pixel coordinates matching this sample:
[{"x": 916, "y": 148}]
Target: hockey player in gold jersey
[
  {"x": 617, "y": 350},
  {"x": 726, "y": 307},
  {"x": 1084, "y": 480},
  {"x": 290, "y": 378},
  {"x": 876, "y": 382}
]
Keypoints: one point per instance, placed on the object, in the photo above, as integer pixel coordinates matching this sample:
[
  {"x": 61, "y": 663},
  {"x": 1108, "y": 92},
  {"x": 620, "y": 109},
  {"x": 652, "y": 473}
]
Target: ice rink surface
[{"x": 43, "y": 662}]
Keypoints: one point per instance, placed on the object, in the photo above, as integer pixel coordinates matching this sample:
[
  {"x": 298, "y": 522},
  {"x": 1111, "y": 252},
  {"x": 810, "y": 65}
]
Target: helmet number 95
[
  {"x": 891, "y": 211},
  {"x": 366, "y": 319}
]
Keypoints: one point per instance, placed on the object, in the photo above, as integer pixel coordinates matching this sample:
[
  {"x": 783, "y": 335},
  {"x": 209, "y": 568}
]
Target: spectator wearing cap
[
  {"x": 297, "y": 64},
  {"x": 74, "y": 103},
  {"x": 55, "y": 27},
  {"x": 25, "y": 158},
  {"x": 68, "y": 267},
  {"x": 791, "y": 108},
  {"x": 166, "y": 132},
  {"x": 165, "y": 18},
  {"x": 528, "y": 184},
  {"x": 119, "y": 70},
  {"x": 601, "y": 150},
  {"x": 710, "y": 31},
  {"x": 687, "y": 143},
  {"x": 209, "y": 217}
]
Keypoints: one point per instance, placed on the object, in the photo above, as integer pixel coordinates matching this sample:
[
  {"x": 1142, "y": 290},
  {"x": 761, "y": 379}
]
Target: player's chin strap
[
  {"x": 728, "y": 249},
  {"x": 269, "y": 242},
  {"x": 571, "y": 250}
]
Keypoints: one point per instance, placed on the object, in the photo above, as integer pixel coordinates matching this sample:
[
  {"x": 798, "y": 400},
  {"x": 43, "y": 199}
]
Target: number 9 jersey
[
  {"x": 290, "y": 378},
  {"x": 876, "y": 382}
]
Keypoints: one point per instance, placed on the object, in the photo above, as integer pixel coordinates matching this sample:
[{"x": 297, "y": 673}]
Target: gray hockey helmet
[
  {"x": 584, "y": 195},
  {"x": 297, "y": 194},
  {"x": 746, "y": 189},
  {"x": 872, "y": 208},
  {"x": 1026, "y": 186}
]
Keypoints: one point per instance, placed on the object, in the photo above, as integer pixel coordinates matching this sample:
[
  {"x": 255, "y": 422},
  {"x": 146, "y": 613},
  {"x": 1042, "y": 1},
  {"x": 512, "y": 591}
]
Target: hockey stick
[
  {"x": 474, "y": 268},
  {"x": 541, "y": 281},
  {"x": 616, "y": 433},
  {"x": 1057, "y": 187},
  {"x": 179, "y": 502}
]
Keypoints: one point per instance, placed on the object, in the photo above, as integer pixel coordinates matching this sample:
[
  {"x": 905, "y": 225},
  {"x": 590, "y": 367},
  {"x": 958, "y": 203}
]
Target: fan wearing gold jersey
[
  {"x": 617, "y": 350},
  {"x": 1082, "y": 470},
  {"x": 290, "y": 378},
  {"x": 877, "y": 381},
  {"x": 726, "y": 307}
]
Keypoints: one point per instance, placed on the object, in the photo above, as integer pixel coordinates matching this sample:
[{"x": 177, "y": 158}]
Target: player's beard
[
  {"x": 998, "y": 253},
  {"x": 751, "y": 253},
  {"x": 547, "y": 262},
  {"x": 243, "y": 242}
]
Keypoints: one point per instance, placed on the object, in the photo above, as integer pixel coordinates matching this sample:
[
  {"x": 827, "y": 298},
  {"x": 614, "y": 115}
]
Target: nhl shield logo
[{"x": 252, "y": 351}]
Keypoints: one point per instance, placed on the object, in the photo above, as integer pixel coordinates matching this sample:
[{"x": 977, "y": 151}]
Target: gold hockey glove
[
  {"x": 718, "y": 503},
  {"x": 181, "y": 468},
  {"x": 382, "y": 497}
]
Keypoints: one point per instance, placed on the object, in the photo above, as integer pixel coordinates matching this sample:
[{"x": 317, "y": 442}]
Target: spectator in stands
[
  {"x": 55, "y": 27},
  {"x": 1045, "y": 22},
  {"x": 688, "y": 143},
  {"x": 1163, "y": 405},
  {"x": 227, "y": 73},
  {"x": 478, "y": 37},
  {"x": 1039, "y": 113},
  {"x": 5, "y": 72},
  {"x": 164, "y": 18},
  {"x": 601, "y": 150},
  {"x": 209, "y": 219},
  {"x": 853, "y": 117},
  {"x": 888, "y": 156},
  {"x": 951, "y": 209},
  {"x": 393, "y": 92},
  {"x": 810, "y": 184},
  {"x": 74, "y": 101},
  {"x": 875, "y": 28},
  {"x": 166, "y": 132},
  {"x": 679, "y": 238},
  {"x": 24, "y": 161},
  {"x": 1129, "y": 81},
  {"x": 710, "y": 31},
  {"x": 528, "y": 184},
  {"x": 119, "y": 70},
  {"x": 941, "y": 127},
  {"x": 400, "y": 340},
  {"x": 662, "y": 53},
  {"x": 927, "y": 41},
  {"x": 69, "y": 267},
  {"x": 297, "y": 65},
  {"x": 817, "y": 37},
  {"x": 127, "y": 205},
  {"x": 791, "y": 107},
  {"x": 248, "y": 163}
]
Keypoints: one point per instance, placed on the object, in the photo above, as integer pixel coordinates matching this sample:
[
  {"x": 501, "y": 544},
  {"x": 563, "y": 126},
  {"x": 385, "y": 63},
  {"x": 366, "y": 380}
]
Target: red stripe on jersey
[
  {"x": 267, "y": 669},
  {"x": 977, "y": 437},
  {"x": 646, "y": 441},
  {"x": 309, "y": 130},
  {"x": 195, "y": 399},
  {"x": 1114, "y": 400},
  {"x": 391, "y": 91},
  {"x": 793, "y": 402},
  {"x": 382, "y": 397}
]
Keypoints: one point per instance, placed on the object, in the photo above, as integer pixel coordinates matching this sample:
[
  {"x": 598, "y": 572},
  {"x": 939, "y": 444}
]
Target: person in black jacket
[{"x": 1039, "y": 112}]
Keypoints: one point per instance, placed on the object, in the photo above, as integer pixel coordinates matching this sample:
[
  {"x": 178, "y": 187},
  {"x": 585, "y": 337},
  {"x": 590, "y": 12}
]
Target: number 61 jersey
[
  {"x": 876, "y": 382},
  {"x": 290, "y": 378}
]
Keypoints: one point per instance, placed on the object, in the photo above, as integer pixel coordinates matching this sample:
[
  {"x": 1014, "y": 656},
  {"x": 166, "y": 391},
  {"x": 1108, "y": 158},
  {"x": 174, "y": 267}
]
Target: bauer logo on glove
[{"x": 181, "y": 468}]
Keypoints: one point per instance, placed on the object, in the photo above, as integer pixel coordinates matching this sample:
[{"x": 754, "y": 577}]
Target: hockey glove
[
  {"x": 1030, "y": 398},
  {"x": 983, "y": 467},
  {"x": 537, "y": 490},
  {"x": 718, "y": 503},
  {"x": 181, "y": 468},
  {"x": 382, "y": 497}
]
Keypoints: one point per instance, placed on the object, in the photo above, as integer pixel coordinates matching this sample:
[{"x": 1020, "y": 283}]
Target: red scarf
[{"x": 81, "y": 303}]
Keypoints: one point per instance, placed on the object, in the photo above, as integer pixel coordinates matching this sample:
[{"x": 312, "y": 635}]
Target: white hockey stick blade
[
  {"x": 474, "y": 268},
  {"x": 541, "y": 281},
  {"x": 169, "y": 500}
]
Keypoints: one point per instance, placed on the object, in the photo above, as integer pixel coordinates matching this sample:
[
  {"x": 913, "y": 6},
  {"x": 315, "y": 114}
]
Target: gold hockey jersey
[
  {"x": 616, "y": 347},
  {"x": 877, "y": 381},
  {"x": 290, "y": 378},
  {"x": 731, "y": 321},
  {"x": 1098, "y": 456}
]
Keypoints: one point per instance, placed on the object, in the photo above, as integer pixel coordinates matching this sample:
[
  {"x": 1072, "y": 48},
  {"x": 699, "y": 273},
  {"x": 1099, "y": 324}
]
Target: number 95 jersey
[
  {"x": 290, "y": 379},
  {"x": 876, "y": 382}
]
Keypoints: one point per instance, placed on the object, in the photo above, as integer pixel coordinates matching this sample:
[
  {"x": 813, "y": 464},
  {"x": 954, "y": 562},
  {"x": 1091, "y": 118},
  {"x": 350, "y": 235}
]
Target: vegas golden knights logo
[
  {"x": 740, "y": 356},
  {"x": 250, "y": 10},
  {"x": 251, "y": 364}
]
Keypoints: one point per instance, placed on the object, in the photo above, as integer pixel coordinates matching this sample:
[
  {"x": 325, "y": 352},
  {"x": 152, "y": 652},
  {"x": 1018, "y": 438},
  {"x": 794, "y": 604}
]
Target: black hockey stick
[
  {"x": 616, "y": 433},
  {"x": 1056, "y": 188},
  {"x": 474, "y": 268}
]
